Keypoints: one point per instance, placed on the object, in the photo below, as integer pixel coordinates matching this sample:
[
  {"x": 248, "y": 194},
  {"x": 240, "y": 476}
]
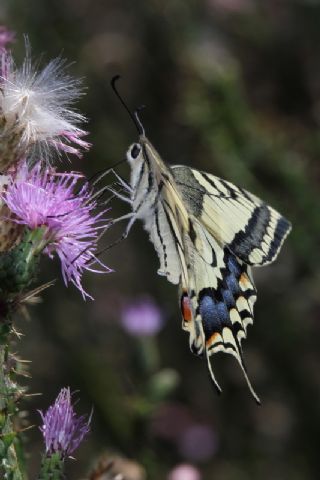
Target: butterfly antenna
[
  {"x": 136, "y": 116},
  {"x": 133, "y": 117}
]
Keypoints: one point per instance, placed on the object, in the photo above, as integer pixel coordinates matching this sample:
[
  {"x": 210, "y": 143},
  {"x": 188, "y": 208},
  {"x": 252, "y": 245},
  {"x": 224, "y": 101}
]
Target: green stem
[
  {"x": 149, "y": 353},
  {"x": 52, "y": 467}
]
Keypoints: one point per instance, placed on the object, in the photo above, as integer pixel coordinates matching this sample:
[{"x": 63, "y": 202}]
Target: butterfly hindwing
[
  {"x": 253, "y": 231},
  {"x": 217, "y": 305}
]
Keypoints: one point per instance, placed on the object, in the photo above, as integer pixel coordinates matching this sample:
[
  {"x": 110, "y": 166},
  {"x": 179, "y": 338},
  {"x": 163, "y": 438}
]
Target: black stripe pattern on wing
[
  {"x": 281, "y": 230},
  {"x": 251, "y": 237},
  {"x": 167, "y": 245},
  {"x": 163, "y": 245},
  {"x": 257, "y": 231},
  {"x": 216, "y": 305}
]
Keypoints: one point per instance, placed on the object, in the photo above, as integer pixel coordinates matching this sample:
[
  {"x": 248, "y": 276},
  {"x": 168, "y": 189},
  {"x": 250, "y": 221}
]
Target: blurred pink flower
[
  {"x": 142, "y": 317},
  {"x": 198, "y": 442},
  {"x": 175, "y": 423},
  {"x": 184, "y": 471}
]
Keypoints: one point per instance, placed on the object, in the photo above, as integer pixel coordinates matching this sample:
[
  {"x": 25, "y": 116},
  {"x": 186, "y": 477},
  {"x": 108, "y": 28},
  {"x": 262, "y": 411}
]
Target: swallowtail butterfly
[{"x": 208, "y": 233}]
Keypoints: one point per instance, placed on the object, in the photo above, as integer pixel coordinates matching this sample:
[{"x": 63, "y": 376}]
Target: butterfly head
[
  {"x": 134, "y": 153},
  {"x": 140, "y": 150}
]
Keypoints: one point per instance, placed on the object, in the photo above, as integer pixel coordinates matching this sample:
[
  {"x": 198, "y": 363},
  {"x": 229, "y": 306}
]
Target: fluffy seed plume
[
  {"x": 36, "y": 111},
  {"x": 63, "y": 205}
]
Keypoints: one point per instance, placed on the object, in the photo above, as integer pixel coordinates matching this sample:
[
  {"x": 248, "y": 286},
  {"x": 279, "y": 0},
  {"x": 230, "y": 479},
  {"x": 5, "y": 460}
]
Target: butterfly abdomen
[
  {"x": 144, "y": 190},
  {"x": 150, "y": 181}
]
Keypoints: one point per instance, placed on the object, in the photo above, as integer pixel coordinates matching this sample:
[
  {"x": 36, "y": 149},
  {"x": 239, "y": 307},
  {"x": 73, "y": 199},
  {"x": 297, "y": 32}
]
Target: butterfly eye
[{"x": 135, "y": 150}]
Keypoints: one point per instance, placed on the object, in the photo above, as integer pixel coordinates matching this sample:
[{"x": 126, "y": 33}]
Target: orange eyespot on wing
[
  {"x": 186, "y": 308},
  {"x": 215, "y": 337},
  {"x": 244, "y": 281}
]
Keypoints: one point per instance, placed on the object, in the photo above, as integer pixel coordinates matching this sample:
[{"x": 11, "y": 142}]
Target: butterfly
[{"x": 208, "y": 233}]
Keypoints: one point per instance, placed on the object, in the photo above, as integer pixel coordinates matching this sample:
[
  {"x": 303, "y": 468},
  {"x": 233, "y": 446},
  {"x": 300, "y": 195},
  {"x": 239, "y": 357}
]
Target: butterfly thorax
[{"x": 150, "y": 178}]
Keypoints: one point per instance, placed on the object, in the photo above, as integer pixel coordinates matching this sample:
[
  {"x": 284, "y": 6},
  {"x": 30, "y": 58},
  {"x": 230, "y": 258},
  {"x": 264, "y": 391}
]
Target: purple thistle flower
[
  {"x": 6, "y": 36},
  {"x": 65, "y": 210},
  {"x": 142, "y": 317},
  {"x": 62, "y": 430}
]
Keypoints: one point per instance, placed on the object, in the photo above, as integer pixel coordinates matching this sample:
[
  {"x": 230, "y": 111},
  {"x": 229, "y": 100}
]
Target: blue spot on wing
[
  {"x": 228, "y": 298},
  {"x": 233, "y": 265},
  {"x": 222, "y": 312},
  {"x": 233, "y": 284},
  {"x": 207, "y": 311},
  {"x": 215, "y": 315}
]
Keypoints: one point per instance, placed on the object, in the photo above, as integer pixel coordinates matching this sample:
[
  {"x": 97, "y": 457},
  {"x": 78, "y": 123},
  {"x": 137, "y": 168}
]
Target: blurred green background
[{"x": 231, "y": 87}]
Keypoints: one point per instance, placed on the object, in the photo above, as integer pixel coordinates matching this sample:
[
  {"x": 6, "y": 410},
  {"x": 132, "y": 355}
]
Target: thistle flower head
[
  {"x": 37, "y": 115},
  {"x": 62, "y": 430},
  {"x": 64, "y": 209}
]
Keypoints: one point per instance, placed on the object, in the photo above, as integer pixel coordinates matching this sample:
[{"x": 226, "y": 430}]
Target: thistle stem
[
  {"x": 52, "y": 467},
  {"x": 10, "y": 468}
]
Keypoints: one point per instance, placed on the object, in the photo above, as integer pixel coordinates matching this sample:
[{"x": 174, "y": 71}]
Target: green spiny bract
[{"x": 19, "y": 266}]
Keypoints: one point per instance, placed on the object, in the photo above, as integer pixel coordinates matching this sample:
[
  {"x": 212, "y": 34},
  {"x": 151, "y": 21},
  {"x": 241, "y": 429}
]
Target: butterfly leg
[
  {"x": 103, "y": 173},
  {"x": 130, "y": 215},
  {"x": 132, "y": 218},
  {"x": 125, "y": 187},
  {"x": 122, "y": 181},
  {"x": 117, "y": 194}
]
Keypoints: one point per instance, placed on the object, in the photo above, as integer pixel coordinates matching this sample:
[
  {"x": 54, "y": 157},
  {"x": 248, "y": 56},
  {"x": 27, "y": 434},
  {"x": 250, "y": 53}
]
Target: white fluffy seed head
[{"x": 36, "y": 111}]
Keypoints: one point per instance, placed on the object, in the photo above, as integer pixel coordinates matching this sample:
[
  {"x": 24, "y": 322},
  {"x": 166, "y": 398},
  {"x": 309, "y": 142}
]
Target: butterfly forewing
[{"x": 252, "y": 230}]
